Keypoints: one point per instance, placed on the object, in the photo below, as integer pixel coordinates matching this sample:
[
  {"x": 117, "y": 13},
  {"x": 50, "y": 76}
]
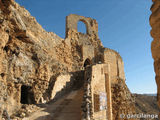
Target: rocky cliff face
[
  {"x": 28, "y": 55},
  {"x": 33, "y": 61},
  {"x": 155, "y": 46}
]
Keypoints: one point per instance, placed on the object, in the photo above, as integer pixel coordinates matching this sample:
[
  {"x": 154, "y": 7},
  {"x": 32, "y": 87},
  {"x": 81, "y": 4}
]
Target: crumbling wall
[
  {"x": 155, "y": 46},
  {"x": 72, "y": 21},
  {"x": 115, "y": 61},
  {"x": 32, "y": 57},
  {"x": 122, "y": 100},
  {"x": 123, "y": 103},
  {"x": 60, "y": 84},
  {"x": 80, "y": 42},
  {"x": 99, "y": 92},
  {"x": 96, "y": 94},
  {"x": 88, "y": 53},
  {"x": 39, "y": 60}
]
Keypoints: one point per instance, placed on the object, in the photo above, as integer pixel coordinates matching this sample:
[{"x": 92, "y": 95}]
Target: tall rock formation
[{"x": 155, "y": 46}]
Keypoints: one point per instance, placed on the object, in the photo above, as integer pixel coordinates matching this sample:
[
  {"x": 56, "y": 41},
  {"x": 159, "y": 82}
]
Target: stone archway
[
  {"x": 87, "y": 62},
  {"x": 73, "y": 19},
  {"x": 85, "y": 24}
]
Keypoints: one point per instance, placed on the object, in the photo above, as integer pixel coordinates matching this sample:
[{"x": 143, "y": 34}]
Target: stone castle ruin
[{"x": 37, "y": 67}]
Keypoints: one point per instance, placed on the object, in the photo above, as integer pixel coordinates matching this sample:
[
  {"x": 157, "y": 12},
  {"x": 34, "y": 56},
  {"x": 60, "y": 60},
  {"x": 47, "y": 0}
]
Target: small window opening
[{"x": 82, "y": 27}]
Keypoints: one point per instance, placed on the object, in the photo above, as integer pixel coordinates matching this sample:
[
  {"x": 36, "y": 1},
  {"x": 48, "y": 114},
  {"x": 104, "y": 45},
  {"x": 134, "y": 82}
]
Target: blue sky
[{"x": 123, "y": 26}]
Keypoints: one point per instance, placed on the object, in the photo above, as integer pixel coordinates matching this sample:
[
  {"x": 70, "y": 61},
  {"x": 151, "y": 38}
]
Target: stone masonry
[{"x": 37, "y": 66}]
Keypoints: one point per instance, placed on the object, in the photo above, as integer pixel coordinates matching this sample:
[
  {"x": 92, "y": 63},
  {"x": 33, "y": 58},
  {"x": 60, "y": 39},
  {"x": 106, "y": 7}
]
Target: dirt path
[{"x": 66, "y": 108}]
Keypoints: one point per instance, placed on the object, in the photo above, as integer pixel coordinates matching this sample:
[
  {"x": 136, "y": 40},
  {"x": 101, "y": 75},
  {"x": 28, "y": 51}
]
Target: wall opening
[
  {"x": 87, "y": 62},
  {"x": 27, "y": 96},
  {"x": 82, "y": 27}
]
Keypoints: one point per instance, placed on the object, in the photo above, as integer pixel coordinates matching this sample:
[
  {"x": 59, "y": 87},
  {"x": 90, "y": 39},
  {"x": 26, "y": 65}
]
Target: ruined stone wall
[
  {"x": 60, "y": 83},
  {"x": 98, "y": 86},
  {"x": 40, "y": 60},
  {"x": 97, "y": 93},
  {"x": 122, "y": 100},
  {"x": 87, "y": 112},
  {"x": 32, "y": 57},
  {"x": 72, "y": 21},
  {"x": 155, "y": 46},
  {"x": 123, "y": 103},
  {"x": 115, "y": 61},
  {"x": 82, "y": 46},
  {"x": 88, "y": 53}
]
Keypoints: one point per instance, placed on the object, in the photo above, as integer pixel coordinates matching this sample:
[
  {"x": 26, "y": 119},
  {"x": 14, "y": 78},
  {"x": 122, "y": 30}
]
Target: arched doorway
[
  {"x": 87, "y": 62},
  {"x": 82, "y": 26}
]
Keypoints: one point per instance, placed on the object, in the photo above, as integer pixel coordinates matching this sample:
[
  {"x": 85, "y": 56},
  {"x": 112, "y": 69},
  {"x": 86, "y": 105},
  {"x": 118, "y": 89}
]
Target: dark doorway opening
[
  {"x": 27, "y": 96},
  {"x": 87, "y": 62}
]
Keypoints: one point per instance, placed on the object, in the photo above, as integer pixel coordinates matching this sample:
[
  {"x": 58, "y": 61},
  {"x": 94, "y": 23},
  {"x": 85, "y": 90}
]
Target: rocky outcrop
[
  {"x": 28, "y": 56},
  {"x": 155, "y": 46},
  {"x": 36, "y": 66}
]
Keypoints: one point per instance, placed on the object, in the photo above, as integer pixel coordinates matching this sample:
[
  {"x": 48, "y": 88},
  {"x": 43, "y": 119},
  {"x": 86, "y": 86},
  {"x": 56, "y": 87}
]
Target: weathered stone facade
[
  {"x": 38, "y": 66},
  {"x": 155, "y": 46},
  {"x": 97, "y": 93}
]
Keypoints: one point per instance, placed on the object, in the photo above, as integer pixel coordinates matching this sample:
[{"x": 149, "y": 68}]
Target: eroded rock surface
[
  {"x": 155, "y": 46},
  {"x": 38, "y": 66}
]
